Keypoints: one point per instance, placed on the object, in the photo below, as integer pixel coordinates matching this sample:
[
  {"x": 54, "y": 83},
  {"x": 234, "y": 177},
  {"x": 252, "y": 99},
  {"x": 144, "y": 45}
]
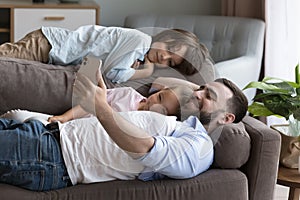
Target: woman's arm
[{"x": 147, "y": 70}]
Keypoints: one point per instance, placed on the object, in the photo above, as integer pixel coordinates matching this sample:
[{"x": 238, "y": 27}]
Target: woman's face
[
  {"x": 164, "y": 57},
  {"x": 166, "y": 99}
]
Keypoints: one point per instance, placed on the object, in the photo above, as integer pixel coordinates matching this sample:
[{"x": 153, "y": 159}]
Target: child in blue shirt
[{"x": 127, "y": 54}]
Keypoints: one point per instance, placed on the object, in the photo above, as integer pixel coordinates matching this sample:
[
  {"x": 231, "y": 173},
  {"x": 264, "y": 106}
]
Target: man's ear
[{"x": 227, "y": 118}]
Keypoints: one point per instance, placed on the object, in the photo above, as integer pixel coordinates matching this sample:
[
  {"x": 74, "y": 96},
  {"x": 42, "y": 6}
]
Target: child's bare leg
[{"x": 34, "y": 46}]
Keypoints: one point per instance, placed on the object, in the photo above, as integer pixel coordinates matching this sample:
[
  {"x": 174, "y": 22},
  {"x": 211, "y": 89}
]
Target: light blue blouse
[
  {"x": 184, "y": 154},
  {"x": 117, "y": 47}
]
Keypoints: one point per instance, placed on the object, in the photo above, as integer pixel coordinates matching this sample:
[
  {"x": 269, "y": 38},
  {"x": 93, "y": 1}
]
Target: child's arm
[
  {"x": 74, "y": 113},
  {"x": 142, "y": 73}
]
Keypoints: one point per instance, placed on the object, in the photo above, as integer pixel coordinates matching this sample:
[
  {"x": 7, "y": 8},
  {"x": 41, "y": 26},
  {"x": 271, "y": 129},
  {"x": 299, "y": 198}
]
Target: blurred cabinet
[{"x": 18, "y": 18}]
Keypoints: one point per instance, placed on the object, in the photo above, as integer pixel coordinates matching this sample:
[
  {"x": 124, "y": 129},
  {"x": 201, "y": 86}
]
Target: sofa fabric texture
[
  {"x": 49, "y": 89},
  {"x": 232, "y": 146},
  {"x": 255, "y": 178},
  {"x": 254, "y": 181},
  {"x": 40, "y": 87},
  {"x": 201, "y": 187},
  {"x": 235, "y": 43},
  {"x": 29, "y": 89}
]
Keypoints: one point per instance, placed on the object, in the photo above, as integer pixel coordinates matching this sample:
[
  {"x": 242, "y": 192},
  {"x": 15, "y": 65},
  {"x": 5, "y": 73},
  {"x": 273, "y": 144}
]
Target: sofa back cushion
[
  {"x": 35, "y": 86},
  {"x": 225, "y": 37}
]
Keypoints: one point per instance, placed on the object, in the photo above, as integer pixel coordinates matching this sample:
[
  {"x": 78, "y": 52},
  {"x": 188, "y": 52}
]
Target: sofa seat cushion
[{"x": 211, "y": 185}]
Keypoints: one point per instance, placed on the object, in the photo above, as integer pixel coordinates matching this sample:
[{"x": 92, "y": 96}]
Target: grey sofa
[
  {"x": 255, "y": 180},
  {"x": 235, "y": 43},
  {"x": 245, "y": 165},
  {"x": 246, "y": 154}
]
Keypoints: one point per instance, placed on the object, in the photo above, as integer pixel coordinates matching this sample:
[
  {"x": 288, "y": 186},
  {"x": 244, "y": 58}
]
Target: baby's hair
[{"x": 196, "y": 54}]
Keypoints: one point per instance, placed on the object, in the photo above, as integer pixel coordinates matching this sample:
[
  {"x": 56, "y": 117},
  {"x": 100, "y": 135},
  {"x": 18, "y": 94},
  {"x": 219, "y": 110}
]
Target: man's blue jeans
[{"x": 30, "y": 156}]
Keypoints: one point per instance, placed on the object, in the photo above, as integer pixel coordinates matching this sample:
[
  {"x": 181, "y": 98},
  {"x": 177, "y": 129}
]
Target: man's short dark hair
[{"x": 238, "y": 103}]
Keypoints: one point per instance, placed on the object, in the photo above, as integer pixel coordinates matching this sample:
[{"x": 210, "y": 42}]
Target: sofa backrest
[
  {"x": 235, "y": 43},
  {"x": 225, "y": 37}
]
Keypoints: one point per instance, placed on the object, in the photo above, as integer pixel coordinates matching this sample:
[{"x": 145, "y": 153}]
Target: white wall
[{"x": 113, "y": 12}]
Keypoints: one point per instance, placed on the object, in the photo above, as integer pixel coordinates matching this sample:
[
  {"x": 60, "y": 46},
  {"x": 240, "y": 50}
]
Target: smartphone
[{"x": 89, "y": 67}]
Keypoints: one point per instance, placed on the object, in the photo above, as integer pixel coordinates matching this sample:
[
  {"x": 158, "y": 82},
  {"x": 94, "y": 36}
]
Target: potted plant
[{"x": 280, "y": 98}]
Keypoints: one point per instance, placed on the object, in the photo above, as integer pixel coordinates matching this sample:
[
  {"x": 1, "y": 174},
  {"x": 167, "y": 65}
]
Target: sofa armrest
[{"x": 262, "y": 165}]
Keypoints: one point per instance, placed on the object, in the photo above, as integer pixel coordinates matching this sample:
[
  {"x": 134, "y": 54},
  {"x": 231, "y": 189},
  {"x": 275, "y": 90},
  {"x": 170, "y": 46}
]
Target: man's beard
[{"x": 204, "y": 117}]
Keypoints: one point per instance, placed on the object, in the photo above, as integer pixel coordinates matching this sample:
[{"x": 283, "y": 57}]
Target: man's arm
[{"x": 126, "y": 135}]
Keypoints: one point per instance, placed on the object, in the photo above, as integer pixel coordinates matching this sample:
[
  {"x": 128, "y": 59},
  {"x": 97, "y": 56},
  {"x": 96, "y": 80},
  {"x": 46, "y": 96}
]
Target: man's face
[{"x": 208, "y": 101}]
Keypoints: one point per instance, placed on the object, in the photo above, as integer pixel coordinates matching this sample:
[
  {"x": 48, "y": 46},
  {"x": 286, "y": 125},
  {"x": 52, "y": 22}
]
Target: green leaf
[
  {"x": 279, "y": 97},
  {"x": 295, "y": 101},
  {"x": 278, "y": 104},
  {"x": 260, "y": 85},
  {"x": 296, "y": 114},
  {"x": 262, "y": 96},
  {"x": 278, "y": 80},
  {"x": 297, "y": 74},
  {"x": 285, "y": 86},
  {"x": 270, "y": 87},
  {"x": 258, "y": 109}
]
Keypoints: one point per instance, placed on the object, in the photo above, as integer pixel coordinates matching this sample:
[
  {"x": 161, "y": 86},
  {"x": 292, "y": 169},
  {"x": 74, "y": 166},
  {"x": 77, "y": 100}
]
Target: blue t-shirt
[
  {"x": 117, "y": 47},
  {"x": 184, "y": 154}
]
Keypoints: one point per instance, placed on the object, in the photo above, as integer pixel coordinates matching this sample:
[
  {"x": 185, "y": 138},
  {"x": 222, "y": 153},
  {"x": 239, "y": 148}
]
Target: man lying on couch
[{"x": 33, "y": 158}]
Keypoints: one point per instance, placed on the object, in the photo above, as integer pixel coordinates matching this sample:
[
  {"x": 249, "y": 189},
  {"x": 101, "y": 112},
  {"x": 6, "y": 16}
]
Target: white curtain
[
  {"x": 282, "y": 38},
  {"x": 282, "y": 41}
]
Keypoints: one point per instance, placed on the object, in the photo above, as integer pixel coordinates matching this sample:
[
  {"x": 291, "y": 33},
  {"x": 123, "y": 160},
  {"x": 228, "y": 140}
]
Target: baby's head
[{"x": 168, "y": 101}]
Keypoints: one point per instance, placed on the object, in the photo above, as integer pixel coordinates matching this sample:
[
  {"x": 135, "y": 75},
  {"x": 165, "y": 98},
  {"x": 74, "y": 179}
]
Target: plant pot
[
  {"x": 294, "y": 126},
  {"x": 290, "y": 147}
]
